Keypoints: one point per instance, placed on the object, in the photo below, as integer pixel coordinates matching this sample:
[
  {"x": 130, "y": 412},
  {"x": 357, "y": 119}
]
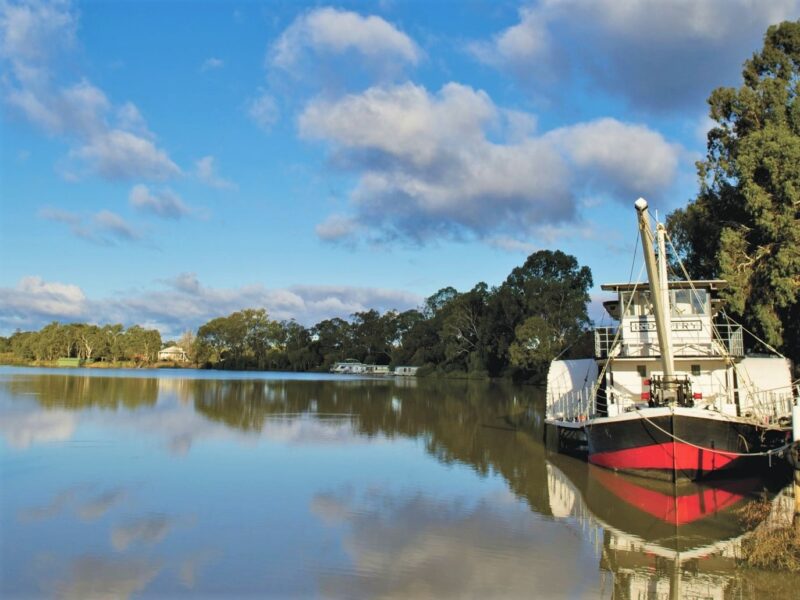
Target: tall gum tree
[{"x": 744, "y": 225}]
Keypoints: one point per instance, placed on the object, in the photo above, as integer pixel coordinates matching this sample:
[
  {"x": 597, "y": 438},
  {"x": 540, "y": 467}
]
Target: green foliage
[
  {"x": 538, "y": 311},
  {"x": 536, "y": 343},
  {"x": 744, "y": 225},
  {"x": 89, "y": 342},
  {"x": 246, "y": 338}
]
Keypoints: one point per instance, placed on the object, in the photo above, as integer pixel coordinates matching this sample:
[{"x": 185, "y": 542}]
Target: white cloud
[
  {"x": 332, "y": 31},
  {"x": 186, "y": 304},
  {"x": 206, "y": 172},
  {"x": 35, "y": 299},
  {"x": 627, "y": 159},
  {"x": 263, "y": 110},
  {"x": 75, "y": 110},
  {"x": 509, "y": 244},
  {"x": 104, "y": 227},
  {"x": 703, "y": 126},
  {"x": 185, "y": 282},
  {"x": 212, "y": 63},
  {"x": 164, "y": 203},
  {"x": 337, "y": 227},
  {"x": 71, "y": 219},
  {"x": 521, "y": 44},
  {"x": 32, "y": 35},
  {"x": 331, "y": 49},
  {"x": 33, "y": 31},
  {"x": 83, "y": 108},
  {"x": 428, "y": 166},
  {"x": 118, "y": 154},
  {"x": 130, "y": 119},
  {"x": 111, "y": 222},
  {"x": 658, "y": 55}
]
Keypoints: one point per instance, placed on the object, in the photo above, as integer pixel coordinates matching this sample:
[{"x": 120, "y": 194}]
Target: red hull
[
  {"x": 677, "y": 446},
  {"x": 676, "y": 508},
  {"x": 670, "y": 456}
]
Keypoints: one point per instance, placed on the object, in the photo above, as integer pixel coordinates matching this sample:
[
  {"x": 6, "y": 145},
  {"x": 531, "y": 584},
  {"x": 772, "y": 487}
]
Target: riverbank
[
  {"x": 10, "y": 360},
  {"x": 426, "y": 372}
]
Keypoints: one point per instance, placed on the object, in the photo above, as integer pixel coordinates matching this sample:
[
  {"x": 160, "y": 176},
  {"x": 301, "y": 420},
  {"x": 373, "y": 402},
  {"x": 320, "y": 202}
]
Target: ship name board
[{"x": 675, "y": 325}]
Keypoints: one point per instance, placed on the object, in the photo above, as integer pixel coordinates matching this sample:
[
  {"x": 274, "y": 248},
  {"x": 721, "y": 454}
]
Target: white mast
[{"x": 659, "y": 288}]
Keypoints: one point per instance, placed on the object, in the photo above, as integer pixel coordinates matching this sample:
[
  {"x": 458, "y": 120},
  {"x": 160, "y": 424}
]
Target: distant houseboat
[
  {"x": 353, "y": 367},
  {"x": 406, "y": 371},
  {"x": 349, "y": 367}
]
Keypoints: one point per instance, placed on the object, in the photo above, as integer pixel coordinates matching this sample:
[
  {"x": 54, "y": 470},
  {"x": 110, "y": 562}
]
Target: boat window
[
  {"x": 639, "y": 307},
  {"x": 700, "y": 302},
  {"x": 642, "y": 370},
  {"x": 688, "y": 302},
  {"x": 695, "y": 370}
]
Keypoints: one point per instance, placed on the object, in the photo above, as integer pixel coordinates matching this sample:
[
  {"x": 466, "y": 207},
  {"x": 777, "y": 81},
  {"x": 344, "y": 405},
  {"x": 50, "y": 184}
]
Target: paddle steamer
[{"x": 670, "y": 392}]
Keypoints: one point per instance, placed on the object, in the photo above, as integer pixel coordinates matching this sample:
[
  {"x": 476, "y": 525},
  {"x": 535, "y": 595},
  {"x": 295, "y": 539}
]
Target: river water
[{"x": 204, "y": 484}]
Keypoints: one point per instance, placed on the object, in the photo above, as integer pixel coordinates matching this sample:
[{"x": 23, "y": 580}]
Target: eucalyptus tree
[
  {"x": 744, "y": 225},
  {"x": 540, "y": 309},
  {"x": 371, "y": 336},
  {"x": 333, "y": 340},
  {"x": 463, "y": 328},
  {"x": 298, "y": 349},
  {"x": 140, "y": 344}
]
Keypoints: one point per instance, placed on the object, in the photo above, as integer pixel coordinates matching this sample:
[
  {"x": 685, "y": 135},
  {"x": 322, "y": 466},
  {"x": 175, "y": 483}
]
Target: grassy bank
[
  {"x": 10, "y": 360},
  {"x": 774, "y": 544}
]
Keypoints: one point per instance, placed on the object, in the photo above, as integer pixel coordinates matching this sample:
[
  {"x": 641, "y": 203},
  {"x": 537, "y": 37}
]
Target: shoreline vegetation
[{"x": 513, "y": 330}]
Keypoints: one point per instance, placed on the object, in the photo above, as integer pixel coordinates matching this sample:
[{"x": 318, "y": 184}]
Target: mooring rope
[{"x": 727, "y": 452}]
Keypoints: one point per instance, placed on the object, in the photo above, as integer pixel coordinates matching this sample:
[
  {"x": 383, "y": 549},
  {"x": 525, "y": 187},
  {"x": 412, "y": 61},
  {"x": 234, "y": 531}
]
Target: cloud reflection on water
[
  {"x": 101, "y": 504},
  {"x": 49, "y": 509},
  {"x": 148, "y": 530},
  {"x": 107, "y": 577},
  {"x": 416, "y": 545},
  {"x": 25, "y": 426}
]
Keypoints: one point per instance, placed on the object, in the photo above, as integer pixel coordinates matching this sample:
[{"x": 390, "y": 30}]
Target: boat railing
[
  {"x": 727, "y": 341},
  {"x": 604, "y": 341},
  {"x": 575, "y": 405},
  {"x": 731, "y": 337},
  {"x": 770, "y": 406}
]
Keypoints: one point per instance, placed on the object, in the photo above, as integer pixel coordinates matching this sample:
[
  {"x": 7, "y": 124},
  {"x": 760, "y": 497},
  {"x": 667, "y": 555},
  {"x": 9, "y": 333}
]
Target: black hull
[{"x": 675, "y": 446}]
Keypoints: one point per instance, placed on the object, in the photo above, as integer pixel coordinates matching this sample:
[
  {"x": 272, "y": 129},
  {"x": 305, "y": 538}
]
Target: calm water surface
[{"x": 187, "y": 483}]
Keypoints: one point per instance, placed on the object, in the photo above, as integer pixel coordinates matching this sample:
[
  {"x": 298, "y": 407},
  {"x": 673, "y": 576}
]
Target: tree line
[
  {"x": 515, "y": 328},
  {"x": 112, "y": 343},
  {"x": 519, "y": 325}
]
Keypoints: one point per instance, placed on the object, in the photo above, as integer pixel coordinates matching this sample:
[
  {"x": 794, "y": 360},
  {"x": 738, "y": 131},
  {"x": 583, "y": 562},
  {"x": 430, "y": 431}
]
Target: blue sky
[{"x": 167, "y": 162}]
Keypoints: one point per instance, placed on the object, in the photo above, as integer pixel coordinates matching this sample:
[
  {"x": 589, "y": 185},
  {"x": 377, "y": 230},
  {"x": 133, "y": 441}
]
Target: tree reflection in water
[{"x": 654, "y": 542}]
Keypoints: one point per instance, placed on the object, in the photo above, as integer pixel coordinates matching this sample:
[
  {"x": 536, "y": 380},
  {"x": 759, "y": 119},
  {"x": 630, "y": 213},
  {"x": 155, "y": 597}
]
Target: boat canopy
[{"x": 700, "y": 284}]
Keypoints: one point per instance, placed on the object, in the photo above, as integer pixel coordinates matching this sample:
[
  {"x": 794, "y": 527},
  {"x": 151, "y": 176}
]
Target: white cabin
[
  {"x": 348, "y": 367},
  {"x": 708, "y": 357},
  {"x": 406, "y": 371}
]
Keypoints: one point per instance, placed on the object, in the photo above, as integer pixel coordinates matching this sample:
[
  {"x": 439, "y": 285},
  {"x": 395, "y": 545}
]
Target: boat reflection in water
[{"x": 661, "y": 539}]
